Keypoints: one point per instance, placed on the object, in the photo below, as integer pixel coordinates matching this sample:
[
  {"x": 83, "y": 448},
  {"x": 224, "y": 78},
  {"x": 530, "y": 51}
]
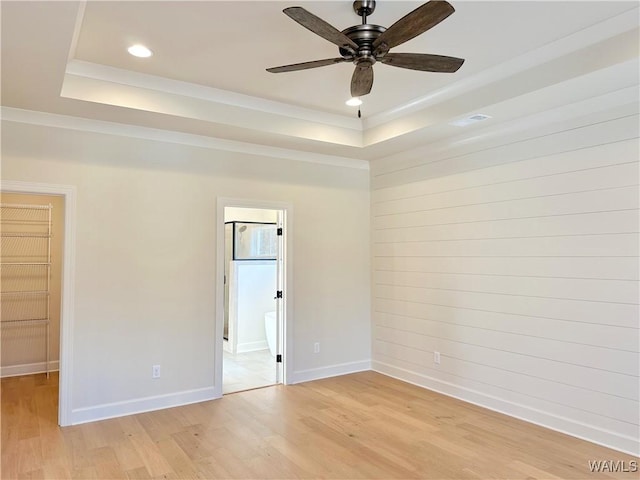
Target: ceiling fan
[{"x": 366, "y": 44}]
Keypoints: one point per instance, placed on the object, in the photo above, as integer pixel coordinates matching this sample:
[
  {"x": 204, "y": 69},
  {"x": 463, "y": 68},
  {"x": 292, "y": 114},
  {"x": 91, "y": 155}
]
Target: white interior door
[{"x": 280, "y": 301}]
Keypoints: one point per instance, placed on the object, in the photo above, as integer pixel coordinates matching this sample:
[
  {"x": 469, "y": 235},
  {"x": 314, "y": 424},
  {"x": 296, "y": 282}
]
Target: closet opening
[{"x": 31, "y": 259}]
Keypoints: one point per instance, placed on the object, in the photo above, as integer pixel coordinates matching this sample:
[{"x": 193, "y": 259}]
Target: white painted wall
[
  {"x": 516, "y": 258},
  {"x": 145, "y": 259}
]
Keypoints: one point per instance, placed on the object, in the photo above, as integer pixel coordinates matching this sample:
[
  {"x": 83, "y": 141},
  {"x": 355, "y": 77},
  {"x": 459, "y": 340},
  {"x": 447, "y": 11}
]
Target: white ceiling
[{"x": 207, "y": 76}]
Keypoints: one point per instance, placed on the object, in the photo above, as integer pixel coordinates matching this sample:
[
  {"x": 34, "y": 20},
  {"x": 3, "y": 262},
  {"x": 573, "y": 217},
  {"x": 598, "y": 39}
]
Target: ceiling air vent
[{"x": 476, "y": 117}]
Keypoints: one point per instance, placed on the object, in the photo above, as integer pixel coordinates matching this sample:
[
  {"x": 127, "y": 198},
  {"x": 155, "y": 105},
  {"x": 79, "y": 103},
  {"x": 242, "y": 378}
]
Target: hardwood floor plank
[
  {"x": 177, "y": 458},
  {"x": 127, "y": 456},
  {"x": 229, "y": 462},
  {"x": 107, "y": 470},
  {"x": 290, "y": 450},
  {"x": 271, "y": 464},
  {"x": 54, "y": 470},
  {"x": 32, "y": 475},
  {"x": 139, "y": 473},
  {"x": 74, "y": 442},
  {"x": 151, "y": 456},
  {"x": 210, "y": 468},
  {"x": 29, "y": 455},
  {"x": 197, "y": 443},
  {"x": 88, "y": 473},
  {"x": 54, "y": 448}
]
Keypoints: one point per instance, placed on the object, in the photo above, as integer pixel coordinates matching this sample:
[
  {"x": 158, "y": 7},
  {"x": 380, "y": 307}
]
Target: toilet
[{"x": 270, "y": 331}]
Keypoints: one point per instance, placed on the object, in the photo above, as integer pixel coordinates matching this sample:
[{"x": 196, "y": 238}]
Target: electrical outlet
[
  {"x": 316, "y": 347},
  {"x": 436, "y": 358},
  {"x": 155, "y": 371}
]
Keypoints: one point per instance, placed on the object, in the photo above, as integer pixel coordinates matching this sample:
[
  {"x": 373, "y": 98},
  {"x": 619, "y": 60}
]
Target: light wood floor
[{"x": 360, "y": 426}]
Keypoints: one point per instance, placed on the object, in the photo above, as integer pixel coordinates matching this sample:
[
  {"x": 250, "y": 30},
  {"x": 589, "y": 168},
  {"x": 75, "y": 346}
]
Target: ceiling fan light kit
[{"x": 365, "y": 44}]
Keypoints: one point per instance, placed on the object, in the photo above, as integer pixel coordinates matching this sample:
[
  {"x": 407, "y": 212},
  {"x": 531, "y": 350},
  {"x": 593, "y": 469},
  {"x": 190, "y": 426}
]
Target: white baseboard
[
  {"x": 141, "y": 405},
  {"x": 252, "y": 346},
  {"x": 28, "y": 369},
  {"x": 147, "y": 404},
  {"x": 330, "y": 371},
  {"x": 544, "y": 419}
]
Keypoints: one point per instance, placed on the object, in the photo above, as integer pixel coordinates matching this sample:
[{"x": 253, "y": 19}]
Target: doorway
[
  {"x": 253, "y": 306},
  {"x": 65, "y": 198},
  {"x": 31, "y": 275}
]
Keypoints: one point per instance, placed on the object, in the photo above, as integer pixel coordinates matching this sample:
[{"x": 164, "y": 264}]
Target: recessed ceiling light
[
  {"x": 139, "y": 51},
  {"x": 354, "y": 102},
  {"x": 463, "y": 122}
]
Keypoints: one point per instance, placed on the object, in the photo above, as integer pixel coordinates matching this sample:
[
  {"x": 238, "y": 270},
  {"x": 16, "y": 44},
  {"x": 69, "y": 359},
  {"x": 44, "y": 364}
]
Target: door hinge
[
  {"x": 280, "y": 231},
  {"x": 279, "y": 294},
  {"x": 278, "y": 358}
]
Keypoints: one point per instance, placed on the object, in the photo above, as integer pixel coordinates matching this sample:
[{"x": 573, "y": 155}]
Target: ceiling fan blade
[
  {"x": 413, "y": 24},
  {"x": 361, "y": 81},
  {"x": 320, "y": 27},
  {"x": 423, "y": 61},
  {"x": 305, "y": 65}
]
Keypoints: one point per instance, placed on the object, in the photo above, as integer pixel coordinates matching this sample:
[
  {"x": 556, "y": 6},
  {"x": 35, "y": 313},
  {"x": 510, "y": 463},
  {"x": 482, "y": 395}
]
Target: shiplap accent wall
[{"x": 519, "y": 264}]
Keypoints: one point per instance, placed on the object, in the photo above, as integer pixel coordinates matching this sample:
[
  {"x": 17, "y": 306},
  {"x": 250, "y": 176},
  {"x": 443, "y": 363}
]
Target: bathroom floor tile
[{"x": 245, "y": 371}]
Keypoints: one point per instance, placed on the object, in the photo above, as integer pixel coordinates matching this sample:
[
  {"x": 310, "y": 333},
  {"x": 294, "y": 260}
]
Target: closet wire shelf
[{"x": 25, "y": 265}]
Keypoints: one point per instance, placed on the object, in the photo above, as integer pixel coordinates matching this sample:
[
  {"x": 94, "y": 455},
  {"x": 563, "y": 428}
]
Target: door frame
[
  {"x": 68, "y": 284},
  {"x": 287, "y": 276}
]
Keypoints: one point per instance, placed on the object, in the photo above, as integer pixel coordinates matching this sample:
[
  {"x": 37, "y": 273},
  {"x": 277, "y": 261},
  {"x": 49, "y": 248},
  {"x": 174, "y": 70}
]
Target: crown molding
[
  {"x": 111, "y": 86},
  {"x": 32, "y": 117},
  {"x": 114, "y": 75}
]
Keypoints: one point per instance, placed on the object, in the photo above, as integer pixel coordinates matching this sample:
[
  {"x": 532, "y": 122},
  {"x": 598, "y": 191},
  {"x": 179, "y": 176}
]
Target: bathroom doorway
[{"x": 253, "y": 320}]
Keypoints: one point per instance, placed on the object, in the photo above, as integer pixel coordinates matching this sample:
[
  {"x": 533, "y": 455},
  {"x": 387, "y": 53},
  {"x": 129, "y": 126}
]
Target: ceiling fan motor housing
[{"x": 363, "y": 36}]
